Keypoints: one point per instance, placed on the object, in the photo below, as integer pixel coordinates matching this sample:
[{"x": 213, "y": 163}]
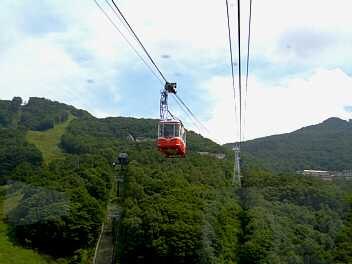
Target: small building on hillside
[
  {"x": 323, "y": 175},
  {"x": 215, "y": 155},
  {"x": 328, "y": 175},
  {"x": 346, "y": 174}
]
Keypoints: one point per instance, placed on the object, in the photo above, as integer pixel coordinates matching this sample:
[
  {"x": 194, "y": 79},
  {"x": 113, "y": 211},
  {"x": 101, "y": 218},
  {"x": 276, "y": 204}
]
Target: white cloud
[
  {"x": 274, "y": 110},
  {"x": 36, "y": 67},
  {"x": 272, "y": 19},
  {"x": 57, "y": 63}
]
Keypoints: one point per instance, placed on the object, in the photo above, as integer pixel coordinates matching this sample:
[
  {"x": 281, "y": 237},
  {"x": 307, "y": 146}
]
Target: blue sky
[{"x": 300, "y": 74}]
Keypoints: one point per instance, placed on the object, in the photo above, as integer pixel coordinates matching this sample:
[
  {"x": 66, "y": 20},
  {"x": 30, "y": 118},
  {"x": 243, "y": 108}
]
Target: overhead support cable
[
  {"x": 248, "y": 41},
  {"x": 157, "y": 68},
  {"x": 232, "y": 63},
  {"x": 237, "y": 148},
  {"x": 197, "y": 123},
  {"x": 237, "y": 145},
  {"x": 139, "y": 41},
  {"x": 231, "y": 53},
  {"x": 126, "y": 39},
  {"x": 118, "y": 16},
  {"x": 129, "y": 28},
  {"x": 239, "y": 63},
  {"x": 188, "y": 114},
  {"x": 247, "y": 62},
  {"x": 191, "y": 113}
]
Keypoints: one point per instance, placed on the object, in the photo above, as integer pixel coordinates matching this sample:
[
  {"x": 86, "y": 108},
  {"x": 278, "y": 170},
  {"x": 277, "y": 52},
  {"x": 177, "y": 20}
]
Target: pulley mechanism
[{"x": 164, "y": 109}]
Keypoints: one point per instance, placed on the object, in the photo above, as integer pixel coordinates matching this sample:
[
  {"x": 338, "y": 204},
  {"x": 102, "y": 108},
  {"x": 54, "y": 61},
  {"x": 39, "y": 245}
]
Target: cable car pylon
[
  {"x": 238, "y": 98},
  {"x": 237, "y": 166}
]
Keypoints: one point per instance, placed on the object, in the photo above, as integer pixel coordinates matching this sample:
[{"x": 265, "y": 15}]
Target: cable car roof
[{"x": 171, "y": 121}]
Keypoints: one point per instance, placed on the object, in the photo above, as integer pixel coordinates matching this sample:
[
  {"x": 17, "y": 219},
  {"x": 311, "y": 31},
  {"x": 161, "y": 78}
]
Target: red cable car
[
  {"x": 172, "y": 138},
  {"x": 171, "y": 133}
]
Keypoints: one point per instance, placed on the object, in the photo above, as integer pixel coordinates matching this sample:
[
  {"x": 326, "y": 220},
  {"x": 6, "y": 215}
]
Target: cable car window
[
  {"x": 184, "y": 135},
  {"x": 177, "y": 130},
  {"x": 169, "y": 130},
  {"x": 161, "y": 128}
]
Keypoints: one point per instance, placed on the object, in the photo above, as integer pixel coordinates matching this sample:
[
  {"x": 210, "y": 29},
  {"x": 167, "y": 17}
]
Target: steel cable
[
  {"x": 126, "y": 39},
  {"x": 138, "y": 40},
  {"x": 247, "y": 62}
]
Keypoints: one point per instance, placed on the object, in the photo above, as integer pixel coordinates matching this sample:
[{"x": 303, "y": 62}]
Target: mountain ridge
[
  {"x": 175, "y": 210},
  {"x": 324, "y": 146}
]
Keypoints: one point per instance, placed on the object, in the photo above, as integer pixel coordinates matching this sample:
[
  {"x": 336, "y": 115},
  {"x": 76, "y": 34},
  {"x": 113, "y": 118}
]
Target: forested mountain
[
  {"x": 325, "y": 146},
  {"x": 173, "y": 210}
]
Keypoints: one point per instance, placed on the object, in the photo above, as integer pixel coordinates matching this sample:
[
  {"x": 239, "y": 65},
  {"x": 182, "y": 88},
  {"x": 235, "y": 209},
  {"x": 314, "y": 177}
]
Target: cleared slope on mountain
[
  {"x": 38, "y": 114},
  {"x": 63, "y": 202},
  {"x": 48, "y": 141}
]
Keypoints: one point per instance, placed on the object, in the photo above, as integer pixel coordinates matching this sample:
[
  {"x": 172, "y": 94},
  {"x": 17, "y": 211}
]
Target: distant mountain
[
  {"x": 325, "y": 146},
  {"x": 37, "y": 114},
  {"x": 49, "y": 146},
  {"x": 58, "y": 185}
]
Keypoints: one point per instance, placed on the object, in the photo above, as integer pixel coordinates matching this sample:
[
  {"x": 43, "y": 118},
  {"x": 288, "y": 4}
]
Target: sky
[{"x": 300, "y": 60}]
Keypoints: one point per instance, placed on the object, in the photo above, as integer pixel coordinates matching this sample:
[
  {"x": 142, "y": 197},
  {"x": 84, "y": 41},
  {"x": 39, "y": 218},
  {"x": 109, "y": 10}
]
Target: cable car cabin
[{"x": 172, "y": 138}]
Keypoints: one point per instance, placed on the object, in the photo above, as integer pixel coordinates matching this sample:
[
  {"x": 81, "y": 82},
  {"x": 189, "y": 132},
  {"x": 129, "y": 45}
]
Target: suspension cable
[
  {"x": 197, "y": 123},
  {"x": 139, "y": 41},
  {"x": 188, "y": 114},
  {"x": 129, "y": 30},
  {"x": 232, "y": 63},
  {"x": 247, "y": 70},
  {"x": 126, "y": 39},
  {"x": 237, "y": 146},
  {"x": 239, "y": 64},
  {"x": 231, "y": 53},
  {"x": 118, "y": 16},
  {"x": 193, "y": 115},
  {"x": 180, "y": 102}
]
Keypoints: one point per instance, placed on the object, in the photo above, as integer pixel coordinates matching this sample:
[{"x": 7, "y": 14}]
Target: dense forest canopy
[
  {"x": 325, "y": 146},
  {"x": 173, "y": 210}
]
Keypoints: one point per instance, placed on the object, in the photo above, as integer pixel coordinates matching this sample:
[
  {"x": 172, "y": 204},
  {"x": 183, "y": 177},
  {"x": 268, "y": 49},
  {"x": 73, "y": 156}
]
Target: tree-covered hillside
[
  {"x": 326, "y": 146},
  {"x": 294, "y": 219},
  {"x": 14, "y": 150},
  {"x": 37, "y": 114},
  {"x": 173, "y": 210}
]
